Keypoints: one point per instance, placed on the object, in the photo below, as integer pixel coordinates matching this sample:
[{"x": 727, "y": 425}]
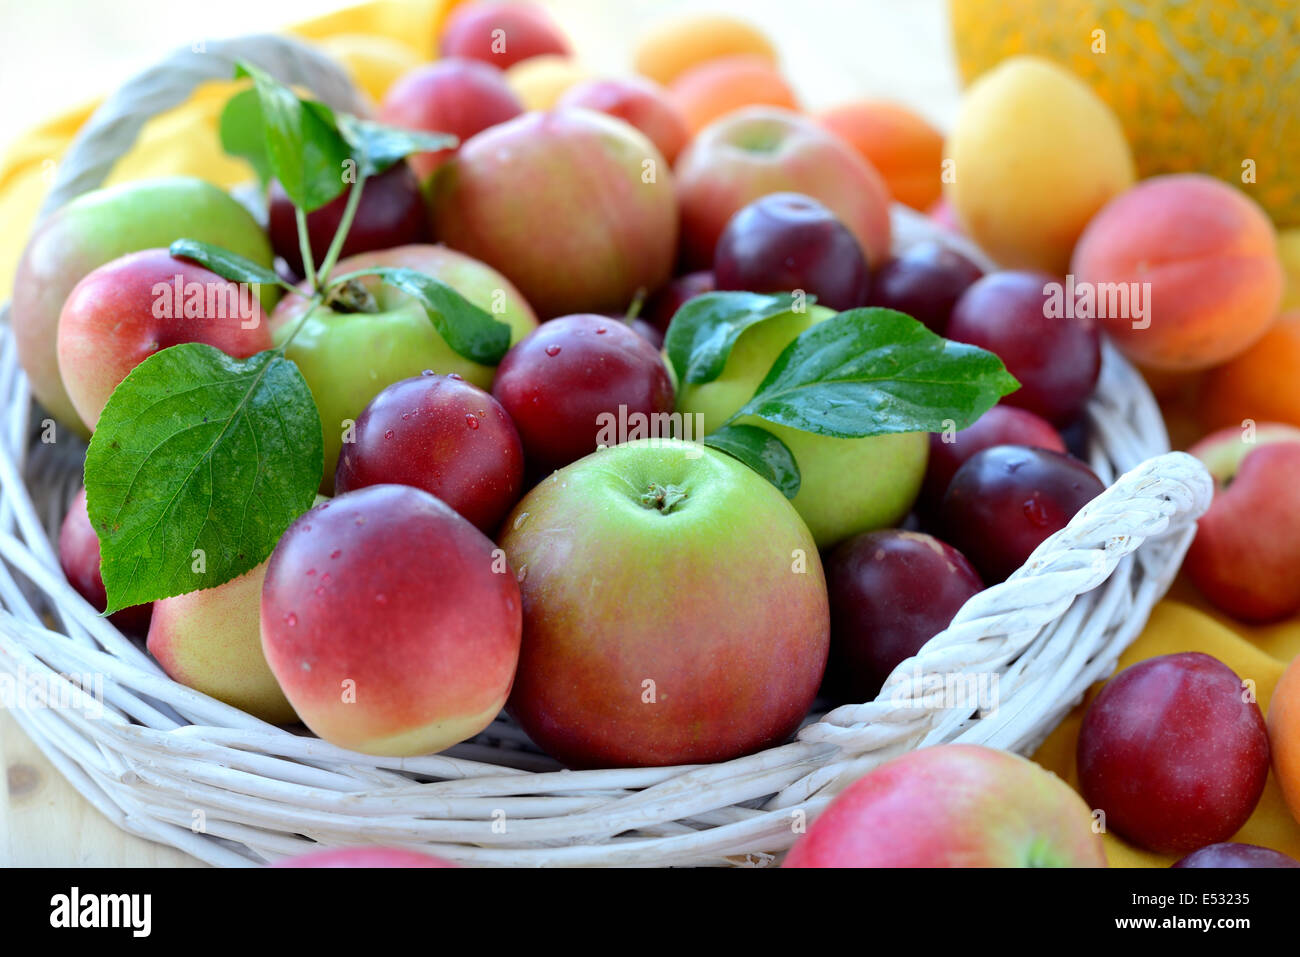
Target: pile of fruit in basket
[{"x": 603, "y": 400}]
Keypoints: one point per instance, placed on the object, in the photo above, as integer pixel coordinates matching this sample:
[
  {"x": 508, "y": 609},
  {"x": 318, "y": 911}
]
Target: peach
[
  {"x": 713, "y": 89},
  {"x": 905, "y": 148},
  {"x": 1284, "y": 735},
  {"x": 1034, "y": 154},
  {"x": 667, "y": 51},
  {"x": 761, "y": 150},
  {"x": 1209, "y": 254},
  {"x": 1260, "y": 384},
  {"x": 79, "y": 559},
  {"x": 640, "y": 102},
  {"x": 211, "y": 641}
]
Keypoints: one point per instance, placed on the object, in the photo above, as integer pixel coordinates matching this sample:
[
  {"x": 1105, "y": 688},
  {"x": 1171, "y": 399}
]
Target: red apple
[
  {"x": 391, "y": 213},
  {"x": 456, "y": 96},
  {"x": 79, "y": 557},
  {"x": 674, "y": 609},
  {"x": 891, "y": 592},
  {"x": 501, "y": 33},
  {"x": 364, "y": 857},
  {"x": 638, "y": 101},
  {"x": 576, "y": 208},
  {"x": 1000, "y": 425},
  {"x": 1175, "y": 752},
  {"x": 1246, "y": 554},
  {"x": 391, "y": 623},
  {"x": 955, "y": 805},
  {"x": 441, "y": 434},
  {"x": 761, "y": 150},
  {"x": 132, "y": 307}
]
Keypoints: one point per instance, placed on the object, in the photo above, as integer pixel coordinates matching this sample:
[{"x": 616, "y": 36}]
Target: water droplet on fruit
[
  {"x": 601, "y": 330},
  {"x": 406, "y": 415},
  {"x": 470, "y": 420},
  {"x": 311, "y": 571},
  {"x": 320, "y": 590},
  {"x": 519, "y": 520},
  {"x": 1035, "y": 512},
  {"x": 336, "y": 553},
  {"x": 456, "y": 376},
  {"x": 431, "y": 372},
  {"x": 291, "y": 619},
  {"x": 521, "y": 574},
  {"x": 325, "y": 579},
  {"x": 552, "y": 350},
  {"x": 381, "y": 599},
  {"x": 388, "y": 433}
]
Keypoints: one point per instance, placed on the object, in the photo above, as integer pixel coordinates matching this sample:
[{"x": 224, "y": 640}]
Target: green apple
[
  {"x": 99, "y": 227},
  {"x": 675, "y": 609},
  {"x": 348, "y": 358},
  {"x": 848, "y": 485}
]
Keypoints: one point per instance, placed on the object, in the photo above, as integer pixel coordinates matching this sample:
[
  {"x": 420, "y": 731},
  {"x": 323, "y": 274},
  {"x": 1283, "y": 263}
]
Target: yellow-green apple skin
[
  {"x": 349, "y": 358},
  {"x": 674, "y": 609},
  {"x": 211, "y": 641},
  {"x": 101, "y": 226},
  {"x": 847, "y": 485}
]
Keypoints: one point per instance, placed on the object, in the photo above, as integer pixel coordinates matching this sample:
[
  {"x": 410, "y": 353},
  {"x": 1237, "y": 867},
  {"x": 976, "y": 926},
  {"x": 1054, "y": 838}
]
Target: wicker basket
[{"x": 175, "y": 766}]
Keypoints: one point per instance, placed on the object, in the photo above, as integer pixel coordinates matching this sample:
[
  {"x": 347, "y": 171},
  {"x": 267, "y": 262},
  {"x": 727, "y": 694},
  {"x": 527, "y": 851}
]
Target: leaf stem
[
  {"x": 304, "y": 247},
  {"x": 345, "y": 224}
]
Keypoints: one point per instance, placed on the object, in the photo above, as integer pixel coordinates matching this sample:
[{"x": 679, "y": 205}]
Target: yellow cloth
[
  {"x": 376, "y": 42},
  {"x": 1258, "y": 654}
]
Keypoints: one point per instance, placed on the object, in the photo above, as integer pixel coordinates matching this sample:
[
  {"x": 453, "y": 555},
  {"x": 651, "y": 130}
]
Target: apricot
[
  {"x": 905, "y": 148},
  {"x": 540, "y": 81},
  {"x": 1263, "y": 383},
  {"x": 1033, "y": 155},
  {"x": 1284, "y": 735},
  {"x": 1209, "y": 255},
  {"x": 675, "y": 46},
  {"x": 718, "y": 87}
]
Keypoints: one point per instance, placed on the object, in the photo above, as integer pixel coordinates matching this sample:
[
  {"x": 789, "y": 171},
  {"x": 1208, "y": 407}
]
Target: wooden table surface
[{"x": 832, "y": 50}]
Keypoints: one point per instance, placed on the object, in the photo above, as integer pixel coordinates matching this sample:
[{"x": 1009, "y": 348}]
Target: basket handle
[{"x": 112, "y": 129}]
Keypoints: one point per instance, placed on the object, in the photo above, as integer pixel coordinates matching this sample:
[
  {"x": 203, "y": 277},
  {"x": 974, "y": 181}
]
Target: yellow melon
[{"x": 1210, "y": 87}]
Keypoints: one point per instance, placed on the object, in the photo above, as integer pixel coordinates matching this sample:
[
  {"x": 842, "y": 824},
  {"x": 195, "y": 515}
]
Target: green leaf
[
  {"x": 198, "y": 464},
  {"x": 304, "y": 149},
  {"x": 377, "y": 147},
  {"x": 226, "y": 264},
  {"x": 242, "y": 133},
  {"x": 703, "y": 331},
  {"x": 761, "y": 451},
  {"x": 876, "y": 371},
  {"x": 469, "y": 330}
]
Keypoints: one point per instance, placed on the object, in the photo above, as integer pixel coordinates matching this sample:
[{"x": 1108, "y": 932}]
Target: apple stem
[
  {"x": 664, "y": 498},
  {"x": 345, "y": 224},
  {"x": 304, "y": 248}
]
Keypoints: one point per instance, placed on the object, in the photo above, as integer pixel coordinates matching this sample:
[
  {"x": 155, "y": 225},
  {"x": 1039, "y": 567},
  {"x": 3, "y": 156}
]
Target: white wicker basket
[{"x": 175, "y": 766}]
